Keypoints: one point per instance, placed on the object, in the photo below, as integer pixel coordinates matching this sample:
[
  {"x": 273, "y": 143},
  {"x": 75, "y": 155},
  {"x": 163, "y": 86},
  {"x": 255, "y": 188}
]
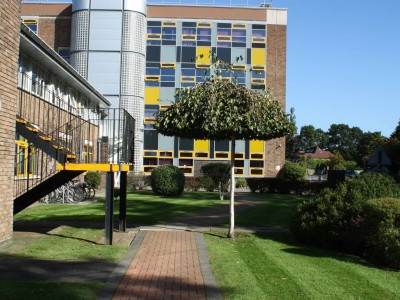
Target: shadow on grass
[{"x": 297, "y": 248}]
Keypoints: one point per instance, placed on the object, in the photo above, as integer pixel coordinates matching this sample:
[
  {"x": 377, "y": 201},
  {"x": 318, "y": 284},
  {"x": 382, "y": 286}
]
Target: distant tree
[
  {"x": 367, "y": 145},
  {"x": 219, "y": 174},
  {"x": 392, "y": 148},
  {"x": 396, "y": 132},
  {"x": 344, "y": 139},
  {"x": 292, "y": 148},
  {"x": 311, "y": 137}
]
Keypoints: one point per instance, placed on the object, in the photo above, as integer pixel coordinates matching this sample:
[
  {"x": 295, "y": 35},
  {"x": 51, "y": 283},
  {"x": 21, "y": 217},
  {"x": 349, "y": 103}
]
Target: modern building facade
[{"x": 139, "y": 54}]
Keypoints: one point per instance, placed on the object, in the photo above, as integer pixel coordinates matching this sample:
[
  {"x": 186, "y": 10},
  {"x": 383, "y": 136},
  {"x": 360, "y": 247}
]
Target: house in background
[{"x": 317, "y": 153}]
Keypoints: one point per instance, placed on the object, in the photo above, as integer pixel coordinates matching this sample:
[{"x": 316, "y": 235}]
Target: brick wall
[
  {"x": 55, "y": 31},
  {"x": 276, "y": 79},
  {"x": 9, "y": 49}
]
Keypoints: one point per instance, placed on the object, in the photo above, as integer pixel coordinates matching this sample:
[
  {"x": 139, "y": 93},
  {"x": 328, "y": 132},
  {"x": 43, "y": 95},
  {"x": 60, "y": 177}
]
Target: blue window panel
[
  {"x": 189, "y": 43},
  {"x": 168, "y": 78},
  {"x": 169, "y": 30},
  {"x": 258, "y": 32},
  {"x": 153, "y": 71},
  {"x": 187, "y": 84},
  {"x": 169, "y": 37},
  {"x": 166, "y": 72},
  {"x": 188, "y": 30},
  {"x": 33, "y": 27},
  {"x": 223, "y": 44},
  {"x": 149, "y": 113},
  {"x": 152, "y": 83},
  {"x": 239, "y": 74},
  {"x": 154, "y": 30},
  {"x": 154, "y": 42},
  {"x": 188, "y": 72},
  {"x": 255, "y": 74}
]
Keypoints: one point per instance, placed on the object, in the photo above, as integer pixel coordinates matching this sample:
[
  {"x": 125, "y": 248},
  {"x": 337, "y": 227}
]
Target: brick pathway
[{"x": 166, "y": 266}]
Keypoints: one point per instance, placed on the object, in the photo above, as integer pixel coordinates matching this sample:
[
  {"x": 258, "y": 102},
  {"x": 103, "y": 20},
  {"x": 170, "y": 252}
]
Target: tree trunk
[
  {"x": 221, "y": 191},
  {"x": 231, "y": 233}
]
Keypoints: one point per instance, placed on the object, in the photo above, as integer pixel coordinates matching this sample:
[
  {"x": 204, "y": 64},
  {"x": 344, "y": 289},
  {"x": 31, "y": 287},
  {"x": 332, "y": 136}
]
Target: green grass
[
  {"x": 12, "y": 290},
  {"x": 142, "y": 208},
  {"x": 274, "y": 266},
  {"x": 73, "y": 244}
]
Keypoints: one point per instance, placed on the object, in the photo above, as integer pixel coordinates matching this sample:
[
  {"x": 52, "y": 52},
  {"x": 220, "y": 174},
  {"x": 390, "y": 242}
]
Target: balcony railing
[{"x": 231, "y": 3}]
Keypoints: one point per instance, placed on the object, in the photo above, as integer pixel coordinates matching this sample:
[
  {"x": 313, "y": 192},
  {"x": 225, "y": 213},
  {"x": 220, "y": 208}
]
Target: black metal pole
[
  {"x": 109, "y": 207},
  {"x": 122, "y": 201}
]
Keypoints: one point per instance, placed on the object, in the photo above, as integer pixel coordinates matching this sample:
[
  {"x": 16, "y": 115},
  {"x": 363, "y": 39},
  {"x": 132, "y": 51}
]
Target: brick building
[
  {"x": 113, "y": 35},
  {"x": 9, "y": 44}
]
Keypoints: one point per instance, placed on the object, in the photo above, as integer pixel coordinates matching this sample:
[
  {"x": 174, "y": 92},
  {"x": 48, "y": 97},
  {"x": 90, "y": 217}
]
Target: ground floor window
[{"x": 25, "y": 159}]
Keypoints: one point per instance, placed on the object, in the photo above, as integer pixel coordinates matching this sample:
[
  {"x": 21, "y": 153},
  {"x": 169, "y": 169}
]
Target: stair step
[
  {"x": 45, "y": 137},
  {"x": 22, "y": 121},
  {"x": 31, "y": 128},
  {"x": 71, "y": 156},
  {"x": 58, "y": 147}
]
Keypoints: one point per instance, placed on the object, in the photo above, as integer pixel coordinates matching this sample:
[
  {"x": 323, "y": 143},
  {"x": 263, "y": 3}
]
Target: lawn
[
  {"x": 274, "y": 266},
  {"x": 142, "y": 208}
]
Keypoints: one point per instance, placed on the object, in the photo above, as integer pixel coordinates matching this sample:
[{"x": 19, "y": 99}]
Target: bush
[
  {"x": 279, "y": 185},
  {"x": 240, "y": 183},
  {"x": 137, "y": 181},
  {"x": 219, "y": 174},
  {"x": 93, "y": 179},
  {"x": 293, "y": 171},
  {"x": 167, "y": 180},
  {"x": 192, "y": 184},
  {"x": 334, "y": 217},
  {"x": 381, "y": 229}
]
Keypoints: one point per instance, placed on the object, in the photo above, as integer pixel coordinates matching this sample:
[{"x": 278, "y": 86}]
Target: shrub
[
  {"x": 240, "y": 183},
  {"x": 192, "y": 184},
  {"x": 219, "y": 174},
  {"x": 381, "y": 229},
  {"x": 167, "y": 180},
  {"x": 334, "y": 217},
  {"x": 137, "y": 181},
  {"x": 93, "y": 179},
  {"x": 293, "y": 171}
]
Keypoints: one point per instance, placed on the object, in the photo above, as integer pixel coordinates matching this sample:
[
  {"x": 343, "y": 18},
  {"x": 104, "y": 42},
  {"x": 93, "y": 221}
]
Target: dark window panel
[
  {"x": 150, "y": 140},
  {"x": 153, "y": 53},
  {"x": 176, "y": 147},
  {"x": 212, "y": 148},
  {"x": 167, "y": 84},
  {"x": 166, "y": 42},
  {"x": 246, "y": 149},
  {"x": 221, "y": 145},
  {"x": 257, "y": 45},
  {"x": 249, "y": 56},
  {"x": 203, "y": 43},
  {"x": 224, "y": 25},
  {"x": 186, "y": 144},
  {"x": 188, "y": 54},
  {"x": 153, "y": 23},
  {"x": 188, "y": 66},
  {"x": 189, "y": 24},
  {"x": 241, "y": 45},
  {"x": 150, "y": 106},
  {"x": 224, "y": 54},
  {"x": 258, "y": 26},
  {"x": 152, "y": 64}
]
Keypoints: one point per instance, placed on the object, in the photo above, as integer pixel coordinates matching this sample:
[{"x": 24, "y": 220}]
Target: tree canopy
[{"x": 223, "y": 110}]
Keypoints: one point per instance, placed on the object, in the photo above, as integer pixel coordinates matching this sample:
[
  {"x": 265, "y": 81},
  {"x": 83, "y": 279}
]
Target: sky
[{"x": 343, "y": 62}]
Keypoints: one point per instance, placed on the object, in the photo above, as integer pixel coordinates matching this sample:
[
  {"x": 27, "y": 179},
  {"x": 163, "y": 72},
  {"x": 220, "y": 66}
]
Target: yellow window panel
[
  {"x": 256, "y": 172},
  {"x": 258, "y": 68},
  {"x": 239, "y": 155},
  {"x": 188, "y": 79},
  {"x": 257, "y": 156},
  {"x": 152, "y": 78},
  {"x": 165, "y": 154},
  {"x": 149, "y": 120},
  {"x": 168, "y": 24},
  {"x": 258, "y": 40},
  {"x": 256, "y": 146},
  {"x": 150, "y": 153},
  {"x": 154, "y": 36},
  {"x": 167, "y": 65},
  {"x": 164, "y": 107},
  {"x": 222, "y": 155},
  {"x": 201, "y": 155},
  {"x": 222, "y": 38},
  {"x": 29, "y": 21},
  {"x": 187, "y": 170},
  {"x": 257, "y": 81},
  {"x": 203, "y": 55},
  {"x": 202, "y": 66},
  {"x": 258, "y": 56},
  {"x": 203, "y": 25},
  {"x": 185, "y": 154},
  {"x": 239, "y": 67},
  {"x": 239, "y": 171},
  {"x": 239, "y": 26},
  {"x": 201, "y": 145},
  {"x": 152, "y": 95},
  {"x": 188, "y": 37}
]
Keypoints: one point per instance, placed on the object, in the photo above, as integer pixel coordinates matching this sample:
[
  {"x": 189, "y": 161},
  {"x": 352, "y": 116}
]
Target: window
[
  {"x": 25, "y": 159},
  {"x": 32, "y": 24},
  {"x": 64, "y": 52},
  {"x": 88, "y": 151}
]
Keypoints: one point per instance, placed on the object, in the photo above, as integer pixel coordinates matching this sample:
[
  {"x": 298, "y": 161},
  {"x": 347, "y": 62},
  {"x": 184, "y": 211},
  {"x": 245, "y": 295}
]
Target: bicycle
[{"x": 88, "y": 190}]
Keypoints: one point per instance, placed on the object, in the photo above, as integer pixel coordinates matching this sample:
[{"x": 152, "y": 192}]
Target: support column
[
  {"x": 109, "y": 207},
  {"x": 122, "y": 201}
]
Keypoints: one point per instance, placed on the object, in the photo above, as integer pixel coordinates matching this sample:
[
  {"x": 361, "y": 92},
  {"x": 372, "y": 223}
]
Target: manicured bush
[
  {"x": 93, "y": 179},
  {"x": 381, "y": 229},
  {"x": 240, "y": 183},
  {"x": 167, "y": 180},
  {"x": 137, "y": 181},
  {"x": 192, "y": 184},
  {"x": 334, "y": 217},
  {"x": 293, "y": 171},
  {"x": 219, "y": 173},
  {"x": 279, "y": 185}
]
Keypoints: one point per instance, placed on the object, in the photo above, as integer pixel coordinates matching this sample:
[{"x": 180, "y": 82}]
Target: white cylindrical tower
[{"x": 108, "y": 48}]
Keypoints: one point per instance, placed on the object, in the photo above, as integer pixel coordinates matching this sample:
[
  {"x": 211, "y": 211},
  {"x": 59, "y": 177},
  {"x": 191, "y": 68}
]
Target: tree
[
  {"x": 396, "y": 132},
  {"x": 311, "y": 137},
  {"x": 367, "y": 145},
  {"x": 344, "y": 139},
  {"x": 219, "y": 174},
  {"x": 225, "y": 110},
  {"x": 292, "y": 148}
]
